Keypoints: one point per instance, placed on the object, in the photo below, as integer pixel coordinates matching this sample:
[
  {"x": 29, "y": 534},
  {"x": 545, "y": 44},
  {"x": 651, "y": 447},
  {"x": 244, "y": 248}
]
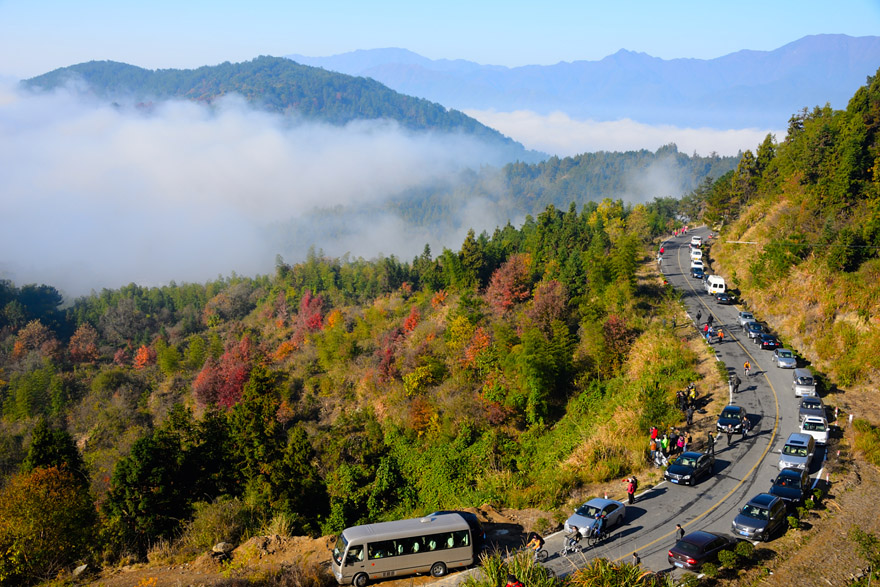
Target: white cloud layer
[
  {"x": 99, "y": 196},
  {"x": 559, "y": 134}
]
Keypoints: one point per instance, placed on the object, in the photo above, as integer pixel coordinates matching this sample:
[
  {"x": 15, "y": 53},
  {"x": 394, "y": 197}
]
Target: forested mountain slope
[
  {"x": 335, "y": 391},
  {"x": 801, "y": 235},
  {"x": 276, "y": 85}
]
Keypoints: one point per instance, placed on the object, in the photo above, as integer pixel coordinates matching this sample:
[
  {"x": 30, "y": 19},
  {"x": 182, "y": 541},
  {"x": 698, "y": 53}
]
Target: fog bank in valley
[{"x": 97, "y": 195}]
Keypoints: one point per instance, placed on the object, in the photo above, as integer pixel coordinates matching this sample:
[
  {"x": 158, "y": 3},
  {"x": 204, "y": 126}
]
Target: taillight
[
  {"x": 692, "y": 561},
  {"x": 671, "y": 555}
]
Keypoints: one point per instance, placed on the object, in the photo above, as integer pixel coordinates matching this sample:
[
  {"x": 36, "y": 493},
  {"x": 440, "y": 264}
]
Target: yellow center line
[{"x": 755, "y": 466}]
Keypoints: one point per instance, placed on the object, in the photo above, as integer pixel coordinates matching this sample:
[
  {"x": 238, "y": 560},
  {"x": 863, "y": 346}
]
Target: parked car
[
  {"x": 784, "y": 359},
  {"x": 697, "y": 240},
  {"x": 816, "y": 427},
  {"x": 730, "y": 415},
  {"x": 767, "y": 342},
  {"x": 798, "y": 451},
  {"x": 792, "y": 485},
  {"x": 697, "y": 548},
  {"x": 585, "y": 515},
  {"x": 725, "y": 299},
  {"x": 803, "y": 383},
  {"x": 697, "y": 272},
  {"x": 754, "y": 329},
  {"x": 689, "y": 467},
  {"x": 811, "y": 406},
  {"x": 745, "y": 317},
  {"x": 697, "y": 263},
  {"x": 762, "y": 515}
]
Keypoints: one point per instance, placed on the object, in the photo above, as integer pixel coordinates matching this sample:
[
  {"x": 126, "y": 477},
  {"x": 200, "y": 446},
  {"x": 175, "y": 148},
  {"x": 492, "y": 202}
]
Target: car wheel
[
  {"x": 765, "y": 537},
  {"x": 360, "y": 580},
  {"x": 438, "y": 570}
]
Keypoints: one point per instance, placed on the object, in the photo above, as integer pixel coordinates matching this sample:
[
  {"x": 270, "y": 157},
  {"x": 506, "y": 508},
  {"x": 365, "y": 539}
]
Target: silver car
[
  {"x": 613, "y": 511},
  {"x": 745, "y": 317},
  {"x": 754, "y": 329},
  {"x": 784, "y": 359}
]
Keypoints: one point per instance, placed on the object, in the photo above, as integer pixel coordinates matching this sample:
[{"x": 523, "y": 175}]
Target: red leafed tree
[
  {"x": 309, "y": 318},
  {"x": 479, "y": 343},
  {"x": 144, "y": 357},
  {"x": 83, "y": 346},
  {"x": 412, "y": 320},
  {"x": 387, "y": 354},
  {"x": 221, "y": 382},
  {"x": 550, "y": 303},
  {"x": 510, "y": 284}
]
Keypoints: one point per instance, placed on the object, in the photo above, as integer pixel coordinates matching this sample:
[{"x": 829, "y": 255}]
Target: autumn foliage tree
[
  {"x": 35, "y": 337},
  {"x": 47, "y": 522},
  {"x": 510, "y": 284},
  {"x": 83, "y": 346},
  {"x": 144, "y": 357},
  {"x": 220, "y": 382}
]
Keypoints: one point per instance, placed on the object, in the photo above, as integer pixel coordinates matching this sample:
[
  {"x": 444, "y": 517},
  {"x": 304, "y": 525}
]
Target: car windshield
[
  {"x": 814, "y": 426},
  {"x": 747, "y": 316},
  {"x": 805, "y": 381},
  {"x": 754, "y": 326},
  {"x": 587, "y": 511},
  {"x": 794, "y": 451},
  {"x": 785, "y": 354},
  {"x": 755, "y": 512},
  {"x": 729, "y": 414},
  {"x": 786, "y": 482},
  {"x": 811, "y": 404},
  {"x": 686, "y": 462},
  {"x": 339, "y": 549}
]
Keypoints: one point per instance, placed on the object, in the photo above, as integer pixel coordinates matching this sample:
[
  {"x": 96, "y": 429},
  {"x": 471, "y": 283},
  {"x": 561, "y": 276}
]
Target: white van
[
  {"x": 696, "y": 254},
  {"x": 715, "y": 285}
]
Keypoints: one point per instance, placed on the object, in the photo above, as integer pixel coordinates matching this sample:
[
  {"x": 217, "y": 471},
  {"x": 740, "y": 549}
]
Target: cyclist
[
  {"x": 746, "y": 368},
  {"x": 536, "y": 543},
  {"x": 573, "y": 539},
  {"x": 598, "y": 528}
]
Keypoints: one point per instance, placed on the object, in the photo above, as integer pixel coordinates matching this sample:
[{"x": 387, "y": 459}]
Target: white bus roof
[{"x": 404, "y": 528}]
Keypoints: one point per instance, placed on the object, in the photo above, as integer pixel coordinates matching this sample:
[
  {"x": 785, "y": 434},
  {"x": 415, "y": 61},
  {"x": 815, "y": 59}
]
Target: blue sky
[{"x": 40, "y": 35}]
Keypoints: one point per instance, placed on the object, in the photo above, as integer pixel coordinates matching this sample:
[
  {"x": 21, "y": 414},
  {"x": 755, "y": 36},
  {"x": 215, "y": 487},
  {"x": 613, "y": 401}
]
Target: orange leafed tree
[
  {"x": 144, "y": 357},
  {"x": 35, "y": 337},
  {"x": 83, "y": 346},
  {"x": 412, "y": 320}
]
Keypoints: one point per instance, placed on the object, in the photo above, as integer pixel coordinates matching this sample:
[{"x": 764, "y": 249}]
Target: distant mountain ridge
[
  {"x": 277, "y": 84},
  {"x": 745, "y": 89}
]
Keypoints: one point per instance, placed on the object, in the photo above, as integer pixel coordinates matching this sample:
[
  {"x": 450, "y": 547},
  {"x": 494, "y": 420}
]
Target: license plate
[
  {"x": 679, "y": 565},
  {"x": 743, "y": 532},
  {"x": 674, "y": 480}
]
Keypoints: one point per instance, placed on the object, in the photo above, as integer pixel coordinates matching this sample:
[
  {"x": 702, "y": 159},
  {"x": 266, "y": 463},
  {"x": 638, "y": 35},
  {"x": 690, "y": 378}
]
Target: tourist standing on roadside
[{"x": 679, "y": 532}]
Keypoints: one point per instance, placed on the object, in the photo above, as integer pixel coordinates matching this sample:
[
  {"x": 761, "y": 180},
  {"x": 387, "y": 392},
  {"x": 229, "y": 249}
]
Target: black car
[
  {"x": 697, "y": 548},
  {"x": 697, "y": 272},
  {"x": 754, "y": 329},
  {"x": 689, "y": 467},
  {"x": 725, "y": 299},
  {"x": 767, "y": 342},
  {"x": 792, "y": 485},
  {"x": 732, "y": 415}
]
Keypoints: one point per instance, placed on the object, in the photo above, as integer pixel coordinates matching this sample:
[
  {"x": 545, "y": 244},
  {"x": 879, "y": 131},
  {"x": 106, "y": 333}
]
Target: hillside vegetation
[
  {"x": 333, "y": 392},
  {"x": 801, "y": 236}
]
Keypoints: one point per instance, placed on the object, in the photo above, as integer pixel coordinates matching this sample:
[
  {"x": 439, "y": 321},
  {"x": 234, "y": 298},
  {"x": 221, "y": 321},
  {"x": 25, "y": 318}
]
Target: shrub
[
  {"x": 818, "y": 494},
  {"x": 745, "y": 549},
  {"x": 225, "y": 520},
  {"x": 728, "y": 559},
  {"x": 794, "y": 522},
  {"x": 542, "y": 525},
  {"x": 800, "y": 512},
  {"x": 809, "y": 504},
  {"x": 710, "y": 570}
]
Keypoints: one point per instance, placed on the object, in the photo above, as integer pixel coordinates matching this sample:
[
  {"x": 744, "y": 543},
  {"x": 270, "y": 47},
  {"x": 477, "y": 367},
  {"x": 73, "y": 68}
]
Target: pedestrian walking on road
[
  {"x": 679, "y": 532},
  {"x": 711, "y": 440},
  {"x": 729, "y": 431},
  {"x": 736, "y": 382},
  {"x": 746, "y": 426},
  {"x": 699, "y": 316},
  {"x": 709, "y": 319},
  {"x": 720, "y": 336}
]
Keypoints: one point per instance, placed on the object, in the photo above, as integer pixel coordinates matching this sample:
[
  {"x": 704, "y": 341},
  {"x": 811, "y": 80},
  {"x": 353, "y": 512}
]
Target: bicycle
[
  {"x": 594, "y": 538},
  {"x": 571, "y": 548},
  {"x": 539, "y": 555}
]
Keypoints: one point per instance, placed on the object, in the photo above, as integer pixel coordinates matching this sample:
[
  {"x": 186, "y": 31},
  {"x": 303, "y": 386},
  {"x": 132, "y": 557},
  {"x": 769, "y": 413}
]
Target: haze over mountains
[{"x": 746, "y": 89}]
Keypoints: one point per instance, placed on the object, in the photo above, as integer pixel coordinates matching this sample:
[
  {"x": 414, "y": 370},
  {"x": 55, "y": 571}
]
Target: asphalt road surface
[{"x": 742, "y": 470}]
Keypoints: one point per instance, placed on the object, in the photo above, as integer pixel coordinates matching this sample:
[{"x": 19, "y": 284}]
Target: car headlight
[{"x": 686, "y": 477}]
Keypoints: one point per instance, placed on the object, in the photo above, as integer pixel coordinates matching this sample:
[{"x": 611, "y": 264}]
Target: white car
[
  {"x": 697, "y": 240},
  {"x": 816, "y": 427},
  {"x": 697, "y": 263},
  {"x": 696, "y": 254}
]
